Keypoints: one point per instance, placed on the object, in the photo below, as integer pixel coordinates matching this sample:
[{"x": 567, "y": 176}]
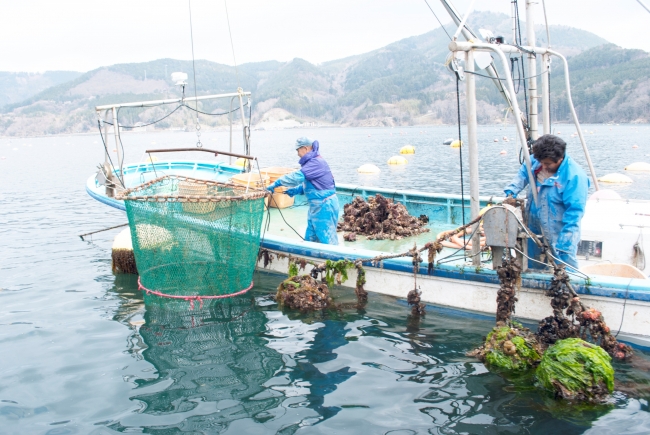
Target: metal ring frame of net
[{"x": 194, "y": 239}]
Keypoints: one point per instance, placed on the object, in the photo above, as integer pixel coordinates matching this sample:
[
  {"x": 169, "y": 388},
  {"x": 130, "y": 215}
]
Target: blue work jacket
[
  {"x": 323, "y": 208},
  {"x": 562, "y": 201}
]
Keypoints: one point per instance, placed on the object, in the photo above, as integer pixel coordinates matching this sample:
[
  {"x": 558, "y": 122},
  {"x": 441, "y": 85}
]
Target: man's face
[
  {"x": 302, "y": 151},
  {"x": 550, "y": 165}
]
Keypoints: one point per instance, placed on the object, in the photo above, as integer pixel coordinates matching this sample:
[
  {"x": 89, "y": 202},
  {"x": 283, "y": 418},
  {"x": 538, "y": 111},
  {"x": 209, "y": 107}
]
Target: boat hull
[{"x": 624, "y": 302}]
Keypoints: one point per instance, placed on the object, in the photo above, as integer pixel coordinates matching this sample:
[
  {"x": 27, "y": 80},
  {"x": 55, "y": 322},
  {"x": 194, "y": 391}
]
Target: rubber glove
[
  {"x": 293, "y": 191},
  {"x": 272, "y": 187}
]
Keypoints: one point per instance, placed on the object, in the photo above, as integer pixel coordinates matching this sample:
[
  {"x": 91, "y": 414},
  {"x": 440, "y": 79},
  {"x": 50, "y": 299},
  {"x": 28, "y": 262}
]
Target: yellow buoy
[
  {"x": 615, "y": 178},
  {"x": 397, "y": 160},
  {"x": 407, "y": 149},
  {"x": 151, "y": 159},
  {"x": 368, "y": 168},
  {"x": 638, "y": 166},
  {"x": 484, "y": 209},
  {"x": 456, "y": 144},
  {"x": 240, "y": 162}
]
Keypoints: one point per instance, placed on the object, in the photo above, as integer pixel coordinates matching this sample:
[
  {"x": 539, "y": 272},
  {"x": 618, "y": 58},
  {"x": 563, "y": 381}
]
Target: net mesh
[{"x": 194, "y": 237}]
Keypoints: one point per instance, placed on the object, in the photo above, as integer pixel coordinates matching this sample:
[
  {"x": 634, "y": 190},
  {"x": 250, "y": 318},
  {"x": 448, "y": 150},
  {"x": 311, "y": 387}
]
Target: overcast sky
[{"x": 80, "y": 35}]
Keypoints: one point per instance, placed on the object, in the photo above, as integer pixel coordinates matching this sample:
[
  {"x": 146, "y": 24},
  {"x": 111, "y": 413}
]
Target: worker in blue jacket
[
  {"x": 562, "y": 188},
  {"x": 315, "y": 180}
]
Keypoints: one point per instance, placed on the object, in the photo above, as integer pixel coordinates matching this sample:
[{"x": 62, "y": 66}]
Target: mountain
[
  {"x": 19, "y": 86},
  {"x": 403, "y": 83},
  {"x": 608, "y": 84}
]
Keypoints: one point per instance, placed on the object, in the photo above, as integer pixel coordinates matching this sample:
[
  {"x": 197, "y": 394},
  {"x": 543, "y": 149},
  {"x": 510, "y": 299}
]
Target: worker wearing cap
[
  {"x": 315, "y": 180},
  {"x": 562, "y": 188}
]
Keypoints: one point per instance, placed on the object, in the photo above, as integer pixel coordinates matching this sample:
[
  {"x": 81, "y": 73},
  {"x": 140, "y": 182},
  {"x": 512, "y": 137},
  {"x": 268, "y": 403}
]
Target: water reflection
[{"x": 242, "y": 366}]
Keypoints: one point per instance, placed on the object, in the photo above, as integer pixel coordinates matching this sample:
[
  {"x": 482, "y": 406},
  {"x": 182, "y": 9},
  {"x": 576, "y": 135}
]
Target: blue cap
[{"x": 303, "y": 142}]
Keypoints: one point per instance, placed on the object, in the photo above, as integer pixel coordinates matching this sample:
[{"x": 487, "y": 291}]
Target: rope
[
  {"x": 99, "y": 125},
  {"x": 191, "y": 299},
  {"x": 196, "y": 101},
  {"x": 232, "y": 45},
  {"x": 164, "y": 117},
  {"x": 434, "y": 14}
]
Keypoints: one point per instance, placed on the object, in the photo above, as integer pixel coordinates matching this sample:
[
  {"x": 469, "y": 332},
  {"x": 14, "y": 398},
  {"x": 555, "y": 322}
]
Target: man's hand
[
  {"x": 293, "y": 191},
  {"x": 271, "y": 187}
]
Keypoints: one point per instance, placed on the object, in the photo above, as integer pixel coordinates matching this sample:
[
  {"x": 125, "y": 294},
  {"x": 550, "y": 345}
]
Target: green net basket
[{"x": 194, "y": 237}]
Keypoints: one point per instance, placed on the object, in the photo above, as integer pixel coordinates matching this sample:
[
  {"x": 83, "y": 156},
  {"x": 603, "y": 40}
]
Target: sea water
[{"x": 82, "y": 352}]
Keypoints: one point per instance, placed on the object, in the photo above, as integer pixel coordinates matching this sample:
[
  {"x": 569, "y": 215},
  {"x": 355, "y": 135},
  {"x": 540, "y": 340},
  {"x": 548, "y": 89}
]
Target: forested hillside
[{"x": 404, "y": 83}]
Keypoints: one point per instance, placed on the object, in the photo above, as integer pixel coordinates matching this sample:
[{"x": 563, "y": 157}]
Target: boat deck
[{"x": 282, "y": 221}]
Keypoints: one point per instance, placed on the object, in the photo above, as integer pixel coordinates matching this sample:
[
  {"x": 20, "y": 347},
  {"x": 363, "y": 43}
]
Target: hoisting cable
[
  {"x": 99, "y": 125},
  {"x": 232, "y": 45},
  {"x": 196, "y": 100},
  {"x": 178, "y": 107},
  {"x": 439, "y": 22}
]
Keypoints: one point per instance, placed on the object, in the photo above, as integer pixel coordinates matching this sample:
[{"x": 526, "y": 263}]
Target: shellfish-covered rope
[{"x": 191, "y": 299}]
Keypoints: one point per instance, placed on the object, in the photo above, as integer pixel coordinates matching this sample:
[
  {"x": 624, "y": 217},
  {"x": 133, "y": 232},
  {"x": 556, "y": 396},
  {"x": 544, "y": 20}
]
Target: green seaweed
[
  {"x": 337, "y": 270},
  {"x": 525, "y": 357},
  {"x": 574, "y": 368},
  {"x": 293, "y": 269}
]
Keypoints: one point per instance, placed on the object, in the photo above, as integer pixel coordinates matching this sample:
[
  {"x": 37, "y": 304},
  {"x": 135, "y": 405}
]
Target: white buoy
[
  {"x": 496, "y": 139},
  {"x": 615, "y": 178},
  {"x": 503, "y": 152},
  {"x": 368, "y": 168},
  {"x": 638, "y": 166},
  {"x": 397, "y": 160},
  {"x": 605, "y": 194},
  {"x": 635, "y": 146}
]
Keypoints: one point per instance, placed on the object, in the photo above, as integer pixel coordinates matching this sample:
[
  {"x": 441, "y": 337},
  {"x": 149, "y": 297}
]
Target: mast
[
  {"x": 532, "y": 70},
  {"x": 472, "y": 127}
]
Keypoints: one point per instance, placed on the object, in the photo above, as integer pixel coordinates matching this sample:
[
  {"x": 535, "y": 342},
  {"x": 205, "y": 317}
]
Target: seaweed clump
[
  {"x": 576, "y": 370},
  {"x": 380, "y": 218},
  {"x": 303, "y": 293},
  {"x": 509, "y": 348}
]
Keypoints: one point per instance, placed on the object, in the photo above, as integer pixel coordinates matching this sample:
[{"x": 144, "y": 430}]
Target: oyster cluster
[
  {"x": 303, "y": 293},
  {"x": 380, "y": 218}
]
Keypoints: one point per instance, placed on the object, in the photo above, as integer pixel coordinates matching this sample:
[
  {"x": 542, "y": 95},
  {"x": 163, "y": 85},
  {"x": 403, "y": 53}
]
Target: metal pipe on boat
[
  {"x": 107, "y": 160},
  {"x": 470, "y": 35},
  {"x": 171, "y": 101},
  {"x": 575, "y": 117},
  {"x": 466, "y": 46},
  {"x": 472, "y": 126},
  {"x": 230, "y": 118},
  {"x": 243, "y": 124},
  {"x": 118, "y": 149},
  {"x": 532, "y": 70},
  {"x": 461, "y": 25},
  {"x": 546, "y": 108}
]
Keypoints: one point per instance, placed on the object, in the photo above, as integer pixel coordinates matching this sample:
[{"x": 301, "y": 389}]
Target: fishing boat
[{"x": 610, "y": 253}]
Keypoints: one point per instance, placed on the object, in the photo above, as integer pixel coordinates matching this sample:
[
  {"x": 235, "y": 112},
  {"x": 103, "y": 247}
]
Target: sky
[{"x": 81, "y": 35}]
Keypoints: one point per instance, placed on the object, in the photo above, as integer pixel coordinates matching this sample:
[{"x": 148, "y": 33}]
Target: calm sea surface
[{"x": 81, "y": 351}]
